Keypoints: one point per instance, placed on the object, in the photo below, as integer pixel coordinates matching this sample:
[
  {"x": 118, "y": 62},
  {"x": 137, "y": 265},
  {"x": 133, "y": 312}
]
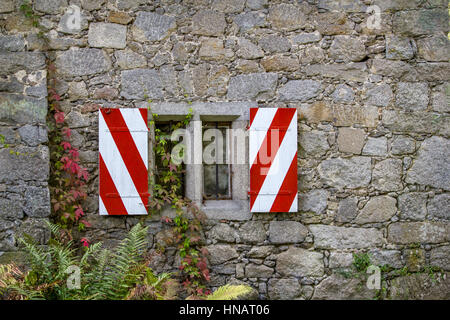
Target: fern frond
[
  {"x": 229, "y": 292},
  {"x": 39, "y": 259},
  {"x": 125, "y": 268}
]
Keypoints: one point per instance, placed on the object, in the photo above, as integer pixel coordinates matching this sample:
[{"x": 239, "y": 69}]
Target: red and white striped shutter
[
  {"x": 123, "y": 161},
  {"x": 273, "y": 159}
]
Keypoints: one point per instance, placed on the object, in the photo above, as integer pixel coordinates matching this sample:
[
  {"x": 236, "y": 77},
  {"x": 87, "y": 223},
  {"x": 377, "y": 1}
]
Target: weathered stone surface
[
  {"x": 36, "y": 228},
  {"x": 212, "y": 49},
  {"x": 248, "y": 50},
  {"x": 394, "y": 69},
  {"x": 420, "y": 22},
  {"x": 260, "y": 252},
  {"x": 331, "y": 237},
  {"x": 254, "y": 86},
  {"x": 312, "y": 55},
  {"x": 432, "y": 166},
  {"x": 119, "y": 17},
  {"x": 439, "y": 206},
  {"x": 347, "y": 209},
  {"x": 12, "y": 42},
  {"x": 342, "y": 5},
  {"x": 419, "y": 286},
  {"x": 92, "y": 4},
  {"x": 412, "y": 96},
  {"x": 354, "y": 71},
  {"x": 223, "y": 232},
  {"x": 346, "y": 173},
  {"x": 440, "y": 257},
  {"x": 274, "y": 44},
  {"x": 12, "y": 62},
  {"x": 284, "y": 289},
  {"x": 424, "y": 122},
  {"x": 252, "y": 232},
  {"x": 107, "y": 35},
  {"x": 77, "y": 90},
  {"x": 299, "y": 262},
  {"x": 347, "y": 48},
  {"x": 82, "y": 62},
  {"x": 413, "y": 205},
  {"x": 152, "y": 26},
  {"x": 378, "y": 209},
  {"x": 403, "y": 145},
  {"x": 50, "y": 6},
  {"x": 287, "y": 232},
  {"x": 415, "y": 259},
  {"x": 337, "y": 287},
  {"x": 127, "y": 59},
  {"x": 381, "y": 257},
  {"x": 280, "y": 63},
  {"x": 332, "y": 23},
  {"x": 436, "y": 48},
  {"x": 256, "y": 4},
  {"x": 258, "y": 271},
  {"x": 340, "y": 115},
  {"x": 375, "y": 147},
  {"x": 387, "y": 175},
  {"x": 228, "y": 6},
  {"x": 436, "y": 71},
  {"x": 139, "y": 82},
  {"x": 249, "y": 20},
  {"x": 343, "y": 94},
  {"x": 7, "y": 6},
  {"x": 105, "y": 93},
  {"x": 440, "y": 98},
  {"x": 379, "y": 95},
  {"x": 218, "y": 80},
  {"x": 307, "y": 37},
  {"x": 314, "y": 143},
  {"x": 300, "y": 90},
  {"x": 129, "y": 4},
  {"x": 218, "y": 254},
  {"x": 286, "y": 17},
  {"x": 342, "y": 260},
  {"x": 37, "y": 202},
  {"x": 351, "y": 140},
  {"x": 33, "y": 135},
  {"x": 208, "y": 23},
  {"x": 398, "y": 48},
  {"x": 313, "y": 201},
  {"x": 10, "y": 209},
  {"x": 21, "y": 109},
  {"x": 422, "y": 232},
  {"x": 76, "y": 119}
]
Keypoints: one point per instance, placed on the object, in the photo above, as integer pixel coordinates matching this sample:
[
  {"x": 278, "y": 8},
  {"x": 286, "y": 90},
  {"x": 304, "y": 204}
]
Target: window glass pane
[{"x": 216, "y": 171}]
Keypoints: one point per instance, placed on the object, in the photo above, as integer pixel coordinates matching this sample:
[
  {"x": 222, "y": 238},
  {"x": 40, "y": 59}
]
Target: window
[
  {"x": 216, "y": 167},
  {"x": 221, "y": 196}
]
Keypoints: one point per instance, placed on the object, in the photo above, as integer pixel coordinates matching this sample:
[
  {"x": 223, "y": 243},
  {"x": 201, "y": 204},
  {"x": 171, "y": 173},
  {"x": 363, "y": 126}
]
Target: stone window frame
[{"x": 238, "y": 113}]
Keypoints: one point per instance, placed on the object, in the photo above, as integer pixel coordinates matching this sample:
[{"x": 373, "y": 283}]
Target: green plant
[
  {"x": 68, "y": 178},
  {"x": 361, "y": 261},
  {"x": 104, "y": 274},
  {"x": 229, "y": 292},
  {"x": 155, "y": 287},
  {"x": 166, "y": 185}
]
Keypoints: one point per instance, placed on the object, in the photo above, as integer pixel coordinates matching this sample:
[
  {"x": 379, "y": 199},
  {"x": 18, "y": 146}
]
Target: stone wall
[{"x": 373, "y": 105}]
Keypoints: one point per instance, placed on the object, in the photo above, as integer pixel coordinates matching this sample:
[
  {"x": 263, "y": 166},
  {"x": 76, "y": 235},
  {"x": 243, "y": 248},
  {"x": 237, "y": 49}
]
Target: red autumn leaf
[
  {"x": 78, "y": 212},
  {"x": 59, "y": 117},
  {"x": 67, "y": 132},
  {"x": 86, "y": 223},
  {"x": 66, "y": 145}
]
